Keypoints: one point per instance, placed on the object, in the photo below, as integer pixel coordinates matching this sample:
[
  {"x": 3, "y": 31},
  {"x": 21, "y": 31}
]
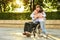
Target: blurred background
[{"x": 21, "y": 9}]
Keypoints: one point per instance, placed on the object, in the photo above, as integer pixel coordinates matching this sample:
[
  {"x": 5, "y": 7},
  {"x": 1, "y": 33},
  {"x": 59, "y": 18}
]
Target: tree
[{"x": 3, "y": 4}]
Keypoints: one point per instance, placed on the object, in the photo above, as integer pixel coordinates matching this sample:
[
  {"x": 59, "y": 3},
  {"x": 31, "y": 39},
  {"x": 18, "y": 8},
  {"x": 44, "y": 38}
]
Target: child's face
[{"x": 38, "y": 9}]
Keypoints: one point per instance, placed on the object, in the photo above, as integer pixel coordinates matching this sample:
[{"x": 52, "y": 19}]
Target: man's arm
[{"x": 34, "y": 16}]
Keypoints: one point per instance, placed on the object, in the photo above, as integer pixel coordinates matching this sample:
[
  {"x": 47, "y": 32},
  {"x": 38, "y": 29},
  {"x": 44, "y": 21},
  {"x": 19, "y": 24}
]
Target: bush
[
  {"x": 26, "y": 16},
  {"x": 53, "y": 15}
]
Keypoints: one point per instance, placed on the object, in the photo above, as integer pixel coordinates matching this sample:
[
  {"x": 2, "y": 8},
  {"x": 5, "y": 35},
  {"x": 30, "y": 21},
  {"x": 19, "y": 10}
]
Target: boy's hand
[
  {"x": 40, "y": 15},
  {"x": 36, "y": 16}
]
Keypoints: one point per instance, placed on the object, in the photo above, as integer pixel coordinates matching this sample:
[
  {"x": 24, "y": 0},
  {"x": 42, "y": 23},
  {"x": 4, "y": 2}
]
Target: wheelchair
[{"x": 31, "y": 27}]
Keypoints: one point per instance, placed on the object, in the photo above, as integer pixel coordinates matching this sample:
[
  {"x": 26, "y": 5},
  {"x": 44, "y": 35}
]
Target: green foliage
[
  {"x": 4, "y": 4},
  {"x": 14, "y": 16},
  {"x": 48, "y": 5},
  {"x": 26, "y": 16},
  {"x": 53, "y": 15}
]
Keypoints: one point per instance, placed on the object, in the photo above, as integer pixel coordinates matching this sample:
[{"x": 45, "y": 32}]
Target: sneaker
[
  {"x": 24, "y": 33},
  {"x": 28, "y": 34}
]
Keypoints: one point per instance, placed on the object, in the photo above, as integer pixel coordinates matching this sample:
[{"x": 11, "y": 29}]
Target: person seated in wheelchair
[
  {"x": 29, "y": 28},
  {"x": 38, "y": 15}
]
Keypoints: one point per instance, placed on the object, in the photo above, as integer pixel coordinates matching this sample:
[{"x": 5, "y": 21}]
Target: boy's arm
[
  {"x": 36, "y": 16},
  {"x": 44, "y": 14}
]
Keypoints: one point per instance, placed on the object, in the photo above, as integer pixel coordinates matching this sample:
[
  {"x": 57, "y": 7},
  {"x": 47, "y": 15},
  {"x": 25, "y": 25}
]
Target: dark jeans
[{"x": 30, "y": 26}]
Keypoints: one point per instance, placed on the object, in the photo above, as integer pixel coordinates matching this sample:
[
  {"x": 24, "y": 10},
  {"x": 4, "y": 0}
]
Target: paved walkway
[{"x": 15, "y": 34}]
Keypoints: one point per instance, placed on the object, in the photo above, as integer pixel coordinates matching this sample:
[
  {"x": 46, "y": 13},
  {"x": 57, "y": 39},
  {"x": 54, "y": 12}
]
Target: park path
[{"x": 15, "y": 34}]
